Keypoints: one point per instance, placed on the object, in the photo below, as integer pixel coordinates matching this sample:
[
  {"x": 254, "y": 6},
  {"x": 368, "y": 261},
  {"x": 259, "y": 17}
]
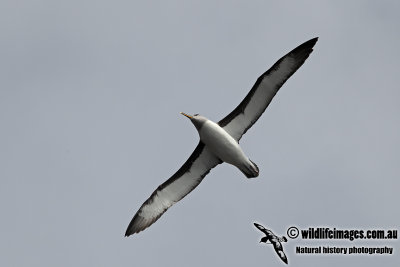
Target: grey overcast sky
[{"x": 90, "y": 95}]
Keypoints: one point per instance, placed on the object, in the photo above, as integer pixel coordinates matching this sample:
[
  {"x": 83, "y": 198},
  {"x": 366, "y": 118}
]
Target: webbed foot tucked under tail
[{"x": 250, "y": 170}]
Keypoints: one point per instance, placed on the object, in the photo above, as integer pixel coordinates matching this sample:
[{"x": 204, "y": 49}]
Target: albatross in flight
[{"x": 219, "y": 142}]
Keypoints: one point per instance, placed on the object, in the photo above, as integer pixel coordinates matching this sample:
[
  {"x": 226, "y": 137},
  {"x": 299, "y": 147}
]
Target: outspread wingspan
[
  {"x": 267, "y": 85},
  {"x": 236, "y": 124},
  {"x": 174, "y": 189}
]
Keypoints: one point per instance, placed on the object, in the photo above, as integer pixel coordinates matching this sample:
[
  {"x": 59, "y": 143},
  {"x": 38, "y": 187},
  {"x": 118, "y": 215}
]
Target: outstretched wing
[
  {"x": 279, "y": 250},
  {"x": 174, "y": 189},
  {"x": 262, "y": 228},
  {"x": 267, "y": 85}
]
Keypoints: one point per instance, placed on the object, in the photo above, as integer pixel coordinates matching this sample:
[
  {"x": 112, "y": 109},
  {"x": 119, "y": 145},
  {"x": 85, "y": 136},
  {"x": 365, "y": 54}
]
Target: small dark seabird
[
  {"x": 274, "y": 240},
  {"x": 219, "y": 142}
]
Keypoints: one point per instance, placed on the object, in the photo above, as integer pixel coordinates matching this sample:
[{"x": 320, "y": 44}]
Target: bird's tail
[{"x": 250, "y": 170}]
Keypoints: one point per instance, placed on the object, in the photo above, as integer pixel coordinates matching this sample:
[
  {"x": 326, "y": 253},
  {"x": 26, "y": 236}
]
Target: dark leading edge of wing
[
  {"x": 265, "y": 88},
  {"x": 192, "y": 172},
  {"x": 236, "y": 124}
]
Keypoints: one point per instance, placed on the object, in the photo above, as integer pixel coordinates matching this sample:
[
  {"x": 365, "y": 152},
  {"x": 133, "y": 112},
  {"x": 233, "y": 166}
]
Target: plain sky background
[{"x": 90, "y": 95}]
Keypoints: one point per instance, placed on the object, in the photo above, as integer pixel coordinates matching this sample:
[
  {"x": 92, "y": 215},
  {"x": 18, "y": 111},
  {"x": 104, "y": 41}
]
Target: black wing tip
[
  {"x": 128, "y": 234},
  {"x": 134, "y": 230},
  {"x": 134, "y": 227},
  {"x": 130, "y": 231},
  {"x": 310, "y": 43},
  {"x": 313, "y": 40},
  {"x": 305, "y": 48},
  {"x": 139, "y": 223}
]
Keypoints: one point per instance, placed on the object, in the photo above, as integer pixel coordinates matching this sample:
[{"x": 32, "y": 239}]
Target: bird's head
[
  {"x": 196, "y": 119},
  {"x": 264, "y": 239}
]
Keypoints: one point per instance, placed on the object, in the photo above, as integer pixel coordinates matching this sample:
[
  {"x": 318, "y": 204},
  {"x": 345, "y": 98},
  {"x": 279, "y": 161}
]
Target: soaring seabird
[
  {"x": 274, "y": 240},
  {"x": 219, "y": 142}
]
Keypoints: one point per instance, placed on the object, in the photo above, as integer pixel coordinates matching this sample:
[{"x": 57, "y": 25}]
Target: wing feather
[
  {"x": 267, "y": 85},
  {"x": 192, "y": 172}
]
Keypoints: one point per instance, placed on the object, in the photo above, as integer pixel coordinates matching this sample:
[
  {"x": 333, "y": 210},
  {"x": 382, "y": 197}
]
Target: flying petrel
[
  {"x": 219, "y": 142},
  {"x": 274, "y": 240}
]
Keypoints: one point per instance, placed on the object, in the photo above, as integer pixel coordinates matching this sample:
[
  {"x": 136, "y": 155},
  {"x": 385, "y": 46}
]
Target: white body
[
  {"x": 219, "y": 142},
  {"x": 224, "y": 146}
]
